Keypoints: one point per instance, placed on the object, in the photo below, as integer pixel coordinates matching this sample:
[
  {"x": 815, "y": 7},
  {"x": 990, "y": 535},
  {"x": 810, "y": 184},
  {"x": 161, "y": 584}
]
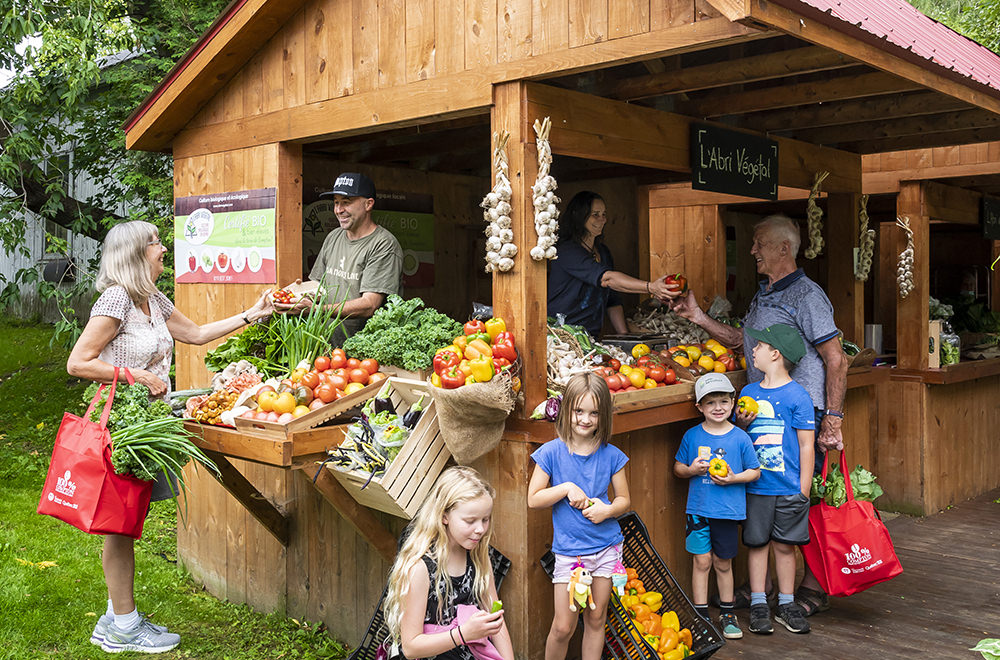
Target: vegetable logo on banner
[{"x": 225, "y": 238}]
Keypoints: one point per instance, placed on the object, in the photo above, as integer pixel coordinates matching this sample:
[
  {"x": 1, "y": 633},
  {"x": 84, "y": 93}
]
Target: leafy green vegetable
[
  {"x": 250, "y": 345},
  {"x": 990, "y": 648},
  {"x": 834, "y": 492},
  {"x": 403, "y": 333}
]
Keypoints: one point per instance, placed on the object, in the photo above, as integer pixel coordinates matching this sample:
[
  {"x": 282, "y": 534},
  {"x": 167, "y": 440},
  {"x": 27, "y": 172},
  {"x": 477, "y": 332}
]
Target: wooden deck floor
[{"x": 946, "y": 600}]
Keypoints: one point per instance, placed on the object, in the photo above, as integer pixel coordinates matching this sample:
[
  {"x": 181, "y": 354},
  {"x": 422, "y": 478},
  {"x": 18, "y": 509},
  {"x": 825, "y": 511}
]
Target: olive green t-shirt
[{"x": 349, "y": 268}]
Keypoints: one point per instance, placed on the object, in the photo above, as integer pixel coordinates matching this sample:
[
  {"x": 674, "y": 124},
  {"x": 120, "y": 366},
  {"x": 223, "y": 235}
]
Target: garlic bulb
[
  {"x": 866, "y": 243},
  {"x": 543, "y": 196},
  {"x": 814, "y": 215},
  {"x": 500, "y": 248},
  {"x": 904, "y": 267}
]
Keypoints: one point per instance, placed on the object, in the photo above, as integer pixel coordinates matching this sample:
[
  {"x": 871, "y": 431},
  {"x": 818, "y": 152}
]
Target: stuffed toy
[
  {"x": 619, "y": 578},
  {"x": 579, "y": 588}
]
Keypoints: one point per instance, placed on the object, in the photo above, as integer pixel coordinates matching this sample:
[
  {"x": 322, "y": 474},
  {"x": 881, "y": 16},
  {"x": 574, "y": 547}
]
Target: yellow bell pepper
[
  {"x": 482, "y": 369},
  {"x": 495, "y": 326},
  {"x": 628, "y": 601},
  {"x": 653, "y": 640},
  {"x": 676, "y": 654},
  {"x": 652, "y": 598},
  {"x": 641, "y": 628},
  {"x": 669, "y": 620},
  {"x": 435, "y": 380}
]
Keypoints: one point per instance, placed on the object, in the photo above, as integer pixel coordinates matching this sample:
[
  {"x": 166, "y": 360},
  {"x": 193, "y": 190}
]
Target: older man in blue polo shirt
[{"x": 789, "y": 297}]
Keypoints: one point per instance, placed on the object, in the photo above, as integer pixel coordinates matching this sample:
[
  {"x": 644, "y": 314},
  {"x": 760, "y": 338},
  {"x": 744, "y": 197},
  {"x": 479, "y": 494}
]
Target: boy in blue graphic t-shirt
[
  {"x": 716, "y": 500},
  {"x": 782, "y": 432}
]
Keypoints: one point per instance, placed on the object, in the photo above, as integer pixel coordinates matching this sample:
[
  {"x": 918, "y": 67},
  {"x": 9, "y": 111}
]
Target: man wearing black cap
[{"x": 360, "y": 262}]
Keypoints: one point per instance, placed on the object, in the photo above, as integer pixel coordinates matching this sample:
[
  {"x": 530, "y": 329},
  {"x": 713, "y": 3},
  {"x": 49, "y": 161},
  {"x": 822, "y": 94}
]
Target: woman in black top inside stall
[{"x": 583, "y": 284}]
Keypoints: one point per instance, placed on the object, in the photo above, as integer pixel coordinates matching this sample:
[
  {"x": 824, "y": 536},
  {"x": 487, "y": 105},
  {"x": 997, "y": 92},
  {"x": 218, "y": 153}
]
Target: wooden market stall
[{"x": 282, "y": 94}]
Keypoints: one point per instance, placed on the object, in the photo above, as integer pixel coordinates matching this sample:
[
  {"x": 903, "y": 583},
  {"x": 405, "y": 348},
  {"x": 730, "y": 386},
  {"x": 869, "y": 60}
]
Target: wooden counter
[{"x": 953, "y": 373}]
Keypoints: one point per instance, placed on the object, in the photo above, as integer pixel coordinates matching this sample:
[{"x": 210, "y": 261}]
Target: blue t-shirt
[
  {"x": 782, "y": 410},
  {"x": 572, "y": 534},
  {"x": 575, "y": 289},
  {"x": 705, "y": 497},
  {"x": 797, "y": 301}
]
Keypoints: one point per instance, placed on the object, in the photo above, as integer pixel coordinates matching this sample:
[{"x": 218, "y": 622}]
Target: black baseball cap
[{"x": 351, "y": 184}]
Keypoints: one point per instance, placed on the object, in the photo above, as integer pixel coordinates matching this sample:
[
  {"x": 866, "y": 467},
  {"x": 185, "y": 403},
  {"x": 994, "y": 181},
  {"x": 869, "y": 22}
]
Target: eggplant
[
  {"x": 412, "y": 415},
  {"x": 382, "y": 402}
]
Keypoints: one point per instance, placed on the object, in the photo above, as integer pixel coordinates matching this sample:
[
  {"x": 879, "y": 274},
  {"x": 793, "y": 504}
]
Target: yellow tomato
[
  {"x": 266, "y": 400},
  {"x": 637, "y": 378},
  {"x": 719, "y": 350},
  {"x": 297, "y": 374},
  {"x": 625, "y": 370},
  {"x": 710, "y": 342},
  {"x": 693, "y": 352},
  {"x": 639, "y": 350},
  {"x": 743, "y": 363},
  {"x": 682, "y": 360},
  {"x": 353, "y": 387},
  {"x": 719, "y": 368},
  {"x": 284, "y": 403},
  {"x": 706, "y": 362},
  {"x": 649, "y": 384},
  {"x": 300, "y": 410}
]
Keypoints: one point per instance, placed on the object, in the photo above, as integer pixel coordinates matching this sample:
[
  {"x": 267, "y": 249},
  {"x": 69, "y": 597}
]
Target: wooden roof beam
[
  {"x": 721, "y": 104},
  {"x": 849, "y": 112},
  {"x": 718, "y": 74},
  {"x": 945, "y": 139},
  {"x": 891, "y": 128},
  {"x": 884, "y": 171}
]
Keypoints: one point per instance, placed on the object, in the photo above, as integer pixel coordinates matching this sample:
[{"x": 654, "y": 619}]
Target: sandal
[{"x": 812, "y": 600}]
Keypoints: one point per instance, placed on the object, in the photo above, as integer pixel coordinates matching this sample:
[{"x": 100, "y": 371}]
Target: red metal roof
[{"x": 900, "y": 24}]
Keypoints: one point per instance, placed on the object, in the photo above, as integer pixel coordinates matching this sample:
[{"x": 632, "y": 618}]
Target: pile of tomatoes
[
  {"x": 283, "y": 296},
  {"x": 332, "y": 377},
  {"x": 645, "y": 374}
]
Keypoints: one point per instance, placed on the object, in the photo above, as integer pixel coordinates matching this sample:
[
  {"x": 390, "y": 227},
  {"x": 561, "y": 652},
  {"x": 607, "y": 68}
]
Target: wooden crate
[
  {"x": 657, "y": 396},
  {"x": 410, "y": 476},
  {"x": 399, "y": 372},
  {"x": 311, "y": 419}
]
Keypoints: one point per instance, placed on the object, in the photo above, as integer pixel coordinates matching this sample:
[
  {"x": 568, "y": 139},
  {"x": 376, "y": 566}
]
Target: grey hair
[
  {"x": 779, "y": 226},
  {"x": 123, "y": 260}
]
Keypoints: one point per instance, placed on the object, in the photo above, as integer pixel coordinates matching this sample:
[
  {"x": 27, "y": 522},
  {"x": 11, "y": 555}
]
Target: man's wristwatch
[{"x": 834, "y": 413}]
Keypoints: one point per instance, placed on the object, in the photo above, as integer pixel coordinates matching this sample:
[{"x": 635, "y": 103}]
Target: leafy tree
[
  {"x": 80, "y": 68},
  {"x": 979, "y": 20}
]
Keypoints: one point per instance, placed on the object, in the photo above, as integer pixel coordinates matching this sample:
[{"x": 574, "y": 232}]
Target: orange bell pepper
[
  {"x": 635, "y": 587},
  {"x": 685, "y": 637},
  {"x": 668, "y": 640},
  {"x": 641, "y": 611},
  {"x": 653, "y": 626},
  {"x": 632, "y": 574}
]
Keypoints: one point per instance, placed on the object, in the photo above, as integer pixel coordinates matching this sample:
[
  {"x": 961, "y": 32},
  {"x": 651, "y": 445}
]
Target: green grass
[{"x": 48, "y": 611}]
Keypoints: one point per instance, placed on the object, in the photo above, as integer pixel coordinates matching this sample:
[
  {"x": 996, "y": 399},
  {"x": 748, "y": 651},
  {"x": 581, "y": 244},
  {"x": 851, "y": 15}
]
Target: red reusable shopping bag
[
  {"x": 849, "y": 548},
  {"x": 82, "y": 488}
]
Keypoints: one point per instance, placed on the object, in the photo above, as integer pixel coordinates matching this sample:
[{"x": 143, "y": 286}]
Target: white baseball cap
[{"x": 711, "y": 384}]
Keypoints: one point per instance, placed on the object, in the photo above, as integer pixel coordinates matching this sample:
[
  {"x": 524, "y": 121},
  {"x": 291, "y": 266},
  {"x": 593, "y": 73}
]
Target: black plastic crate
[
  {"x": 377, "y": 632},
  {"x": 622, "y": 640}
]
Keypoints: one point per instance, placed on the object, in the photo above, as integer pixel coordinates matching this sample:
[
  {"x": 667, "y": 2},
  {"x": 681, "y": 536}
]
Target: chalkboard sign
[
  {"x": 991, "y": 217},
  {"x": 732, "y": 162}
]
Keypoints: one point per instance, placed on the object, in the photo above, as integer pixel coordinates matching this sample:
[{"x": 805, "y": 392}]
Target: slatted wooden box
[
  {"x": 408, "y": 480},
  {"x": 311, "y": 419}
]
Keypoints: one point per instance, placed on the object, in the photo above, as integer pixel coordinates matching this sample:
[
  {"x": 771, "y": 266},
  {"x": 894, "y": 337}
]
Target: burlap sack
[{"x": 472, "y": 417}]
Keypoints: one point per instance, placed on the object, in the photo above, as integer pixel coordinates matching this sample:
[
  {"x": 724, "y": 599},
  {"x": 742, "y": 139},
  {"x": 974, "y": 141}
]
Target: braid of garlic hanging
[
  {"x": 544, "y": 196},
  {"x": 500, "y": 248},
  {"x": 814, "y": 214},
  {"x": 866, "y": 243},
  {"x": 904, "y": 269}
]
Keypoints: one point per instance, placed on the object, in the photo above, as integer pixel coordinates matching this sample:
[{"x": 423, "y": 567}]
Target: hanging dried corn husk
[
  {"x": 904, "y": 267},
  {"x": 544, "y": 196},
  {"x": 814, "y": 216},
  {"x": 866, "y": 243},
  {"x": 500, "y": 248}
]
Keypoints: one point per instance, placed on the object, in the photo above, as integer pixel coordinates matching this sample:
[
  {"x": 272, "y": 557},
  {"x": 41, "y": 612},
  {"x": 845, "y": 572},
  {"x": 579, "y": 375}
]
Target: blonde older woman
[{"x": 134, "y": 325}]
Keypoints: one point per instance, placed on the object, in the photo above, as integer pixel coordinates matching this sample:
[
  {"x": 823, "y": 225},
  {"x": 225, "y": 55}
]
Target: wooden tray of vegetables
[
  {"x": 312, "y": 419},
  {"x": 390, "y": 460}
]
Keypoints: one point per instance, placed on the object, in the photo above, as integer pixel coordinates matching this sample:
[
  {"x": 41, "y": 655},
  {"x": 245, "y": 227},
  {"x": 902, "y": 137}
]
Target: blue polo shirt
[
  {"x": 575, "y": 289},
  {"x": 797, "y": 301}
]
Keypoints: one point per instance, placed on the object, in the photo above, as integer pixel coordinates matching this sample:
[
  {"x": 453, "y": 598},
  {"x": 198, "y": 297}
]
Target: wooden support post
[
  {"x": 288, "y": 215},
  {"x": 358, "y": 516},
  {"x": 995, "y": 276},
  {"x": 268, "y": 515},
  {"x": 520, "y": 295},
  {"x": 912, "y": 313},
  {"x": 845, "y": 292}
]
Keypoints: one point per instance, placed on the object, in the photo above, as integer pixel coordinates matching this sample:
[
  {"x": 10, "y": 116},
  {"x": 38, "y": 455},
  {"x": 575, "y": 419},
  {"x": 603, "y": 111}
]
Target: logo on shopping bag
[
  {"x": 857, "y": 555},
  {"x": 64, "y": 486}
]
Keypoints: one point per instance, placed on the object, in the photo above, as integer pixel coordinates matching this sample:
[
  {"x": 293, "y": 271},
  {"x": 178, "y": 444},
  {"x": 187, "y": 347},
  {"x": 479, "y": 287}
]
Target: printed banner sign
[
  {"x": 225, "y": 238},
  {"x": 732, "y": 162}
]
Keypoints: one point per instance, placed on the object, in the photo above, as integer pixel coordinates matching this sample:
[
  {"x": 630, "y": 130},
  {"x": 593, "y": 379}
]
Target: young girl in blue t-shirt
[{"x": 572, "y": 475}]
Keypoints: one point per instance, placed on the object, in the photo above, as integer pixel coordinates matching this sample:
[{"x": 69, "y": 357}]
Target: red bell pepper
[
  {"x": 473, "y": 327},
  {"x": 504, "y": 349},
  {"x": 506, "y": 335},
  {"x": 500, "y": 363},
  {"x": 676, "y": 281},
  {"x": 445, "y": 360},
  {"x": 452, "y": 378}
]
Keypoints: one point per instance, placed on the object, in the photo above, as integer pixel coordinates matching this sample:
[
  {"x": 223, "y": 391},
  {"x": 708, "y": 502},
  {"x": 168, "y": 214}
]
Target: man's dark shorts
[{"x": 781, "y": 518}]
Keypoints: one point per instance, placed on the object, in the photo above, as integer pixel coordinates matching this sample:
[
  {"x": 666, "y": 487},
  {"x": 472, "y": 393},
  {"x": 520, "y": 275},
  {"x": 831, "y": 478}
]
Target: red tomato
[
  {"x": 322, "y": 363},
  {"x": 643, "y": 361},
  {"x": 370, "y": 365},
  {"x": 340, "y": 371},
  {"x": 265, "y": 388},
  {"x": 316, "y": 403},
  {"x": 310, "y": 379},
  {"x": 338, "y": 382},
  {"x": 353, "y": 363},
  {"x": 359, "y": 375},
  {"x": 631, "y": 388},
  {"x": 612, "y": 381},
  {"x": 669, "y": 377},
  {"x": 326, "y": 393},
  {"x": 376, "y": 377},
  {"x": 615, "y": 364},
  {"x": 657, "y": 373},
  {"x": 338, "y": 358}
]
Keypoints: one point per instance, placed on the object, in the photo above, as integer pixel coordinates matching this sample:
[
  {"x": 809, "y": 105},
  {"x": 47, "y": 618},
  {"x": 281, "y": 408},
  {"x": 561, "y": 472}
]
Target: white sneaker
[
  {"x": 144, "y": 638},
  {"x": 101, "y": 629}
]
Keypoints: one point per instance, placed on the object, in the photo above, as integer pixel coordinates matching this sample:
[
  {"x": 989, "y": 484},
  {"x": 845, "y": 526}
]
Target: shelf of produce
[
  {"x": 313, "y": 418},
  {"x": 953, "y": 373}
]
